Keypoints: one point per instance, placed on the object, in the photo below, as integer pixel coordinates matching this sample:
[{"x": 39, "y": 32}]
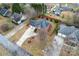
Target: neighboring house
[
  {"x": 70, "y": 47},
  {"x": 75, "y": 35},
  {"x": 18, "y": 18},
  {"x": 66, "y": 30},
  {"x": 69, "y": 32},
  {"x": 5, "y": 12},
  {"x": 67, "y": 9},
  {"x": 57, "y": 10}
]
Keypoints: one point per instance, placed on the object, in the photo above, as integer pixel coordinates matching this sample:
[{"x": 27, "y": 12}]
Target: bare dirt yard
[{"x": 18, "y": 34}]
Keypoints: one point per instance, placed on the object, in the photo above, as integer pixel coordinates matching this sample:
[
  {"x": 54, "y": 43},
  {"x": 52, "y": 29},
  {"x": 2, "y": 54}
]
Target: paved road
[
  {"x": 28, "y": 33},
  {"x": 17, "y": 28},
  {"x": 14, "y": 49}
]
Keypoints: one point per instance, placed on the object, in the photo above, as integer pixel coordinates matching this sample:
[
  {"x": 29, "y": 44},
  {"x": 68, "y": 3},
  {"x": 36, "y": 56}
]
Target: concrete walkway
[
  {"x": 28, "y": 33},
  {"x": 57, "y": 45}
]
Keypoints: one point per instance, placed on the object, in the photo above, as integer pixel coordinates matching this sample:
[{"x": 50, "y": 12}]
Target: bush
[
  {"x": 76, "y": 9},
  {"x": 4, "y": 27}
]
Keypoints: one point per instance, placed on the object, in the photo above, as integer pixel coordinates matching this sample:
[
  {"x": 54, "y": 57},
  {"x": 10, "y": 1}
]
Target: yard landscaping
[{"x": 5, "y": 21}]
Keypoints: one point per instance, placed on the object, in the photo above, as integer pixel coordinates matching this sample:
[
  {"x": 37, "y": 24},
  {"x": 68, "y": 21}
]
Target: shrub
[{"x": 4, "y": 27}]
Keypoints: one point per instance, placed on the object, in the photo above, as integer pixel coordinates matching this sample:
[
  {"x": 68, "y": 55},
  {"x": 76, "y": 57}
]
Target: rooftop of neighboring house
[
  {"x": 2, "y": 10},
  {"x": 16, "y": 17},
  {"x": 5, "y": 12},
  {"x": 66, "y": 30},
  {"x": 66, "y": 8},
  {"x": 69, "y": 31},
  {"x": 75, "y": 35}
]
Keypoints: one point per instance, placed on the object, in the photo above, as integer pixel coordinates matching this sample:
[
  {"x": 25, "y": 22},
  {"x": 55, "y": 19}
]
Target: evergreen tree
[
  {"x": 40, "y": 8},
  {"x": 16, "y": 8}
]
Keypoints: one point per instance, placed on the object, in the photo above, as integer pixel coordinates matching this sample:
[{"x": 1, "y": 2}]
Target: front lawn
[{"x": 4, "y": 20}]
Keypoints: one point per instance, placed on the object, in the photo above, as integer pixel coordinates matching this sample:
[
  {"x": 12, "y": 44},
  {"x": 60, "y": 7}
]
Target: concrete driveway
[{"x": 28, "y": 33}]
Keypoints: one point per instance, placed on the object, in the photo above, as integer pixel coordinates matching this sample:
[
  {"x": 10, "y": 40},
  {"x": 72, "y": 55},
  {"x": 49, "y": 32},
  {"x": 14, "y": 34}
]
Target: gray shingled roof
[
  {"x": 77, "y": 34},
  {"x": 16, "y": 17},
  {"x": 66, "y": 30},
  {"x": 69, "y": 31}
]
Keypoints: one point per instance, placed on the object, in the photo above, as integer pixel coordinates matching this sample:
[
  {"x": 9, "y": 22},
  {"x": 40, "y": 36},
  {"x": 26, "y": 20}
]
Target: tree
[
  {"x": 76, "y": 20},
  {"x": 42, "y": 36},
  {"x": 28, "y": 11},
  {"x": 4, "y": 27},
  {"x": 40, "y": 8},
  {"x": 71, "y": 18},
  {"x": 76, "y": 9},
  {"x": 16, "y": 8},
  {"x": 67, "y": 17},
  {"x": 7, "y": 6},
  {"x": 57, "y": 28}
]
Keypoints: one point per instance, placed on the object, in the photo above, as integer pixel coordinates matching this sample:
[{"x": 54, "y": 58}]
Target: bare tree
[
  {"x": 42, "y": 36},
  {"x": 29, "y": 11},
  {"x": 68, "y": 17}
]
